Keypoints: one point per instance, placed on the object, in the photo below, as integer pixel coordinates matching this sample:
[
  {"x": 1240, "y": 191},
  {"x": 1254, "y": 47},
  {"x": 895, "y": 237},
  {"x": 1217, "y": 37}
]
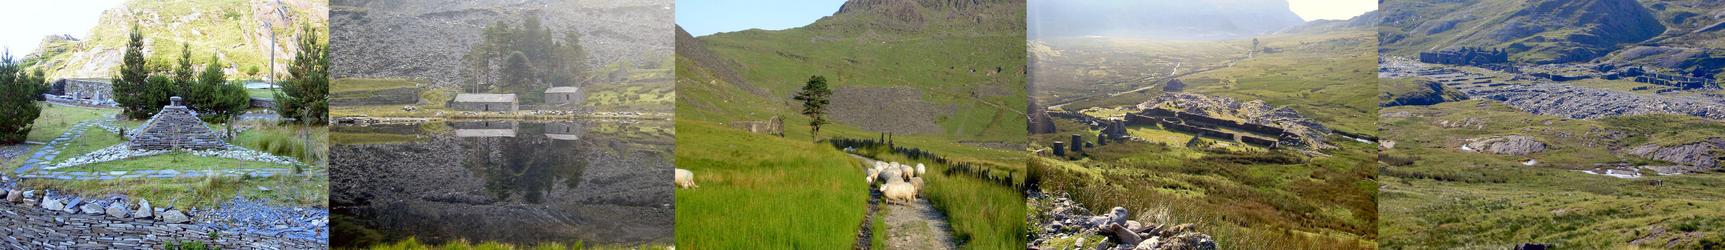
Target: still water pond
[{"x": 598, "y": 182}]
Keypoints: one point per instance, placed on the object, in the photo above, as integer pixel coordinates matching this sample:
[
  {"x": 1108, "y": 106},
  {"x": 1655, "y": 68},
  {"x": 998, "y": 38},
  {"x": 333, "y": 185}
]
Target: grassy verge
[
  {"x": 286, "y": 141},
  {"x": 983, "y": 214},
  {"x": 759, "y": 191},
  {"x": 414, "y": 244},
  {"x": 203, "y": 192},
  {"x": 94, "y": 138},
  {"x": 56, "y": 119},
  {"x": 176, "y": 161}
]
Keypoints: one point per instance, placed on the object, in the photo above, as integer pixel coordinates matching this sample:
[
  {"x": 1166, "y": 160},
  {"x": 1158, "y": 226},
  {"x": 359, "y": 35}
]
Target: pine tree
[
  {"x": 184, "y": 86},
  {"x": 304, "y": 94},
  {"x": 18, "y": 94},
  {"x": 814, "y": 97},
  {"x": 139, "y": 99}
]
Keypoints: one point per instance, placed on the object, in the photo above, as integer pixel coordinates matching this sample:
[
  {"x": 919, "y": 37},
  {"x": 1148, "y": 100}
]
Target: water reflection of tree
[{"x": 525, "y": 167}]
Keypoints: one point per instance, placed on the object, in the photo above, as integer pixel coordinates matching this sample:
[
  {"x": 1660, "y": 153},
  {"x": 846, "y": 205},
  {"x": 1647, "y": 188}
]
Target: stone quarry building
[
  {"x": 564, "y": 95},
  {"x": 83, "y": 91},
  {"x": 1466, "y": 56},
  {"x": 175, "y": 127},
  {"x": 1249, "y": 133},
  {"x": 485, "y": 102}
]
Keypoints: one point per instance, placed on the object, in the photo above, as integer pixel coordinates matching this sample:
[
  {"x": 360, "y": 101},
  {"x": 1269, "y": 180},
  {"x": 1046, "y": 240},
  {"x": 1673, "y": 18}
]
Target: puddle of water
[{"x": 598, "y": 182}]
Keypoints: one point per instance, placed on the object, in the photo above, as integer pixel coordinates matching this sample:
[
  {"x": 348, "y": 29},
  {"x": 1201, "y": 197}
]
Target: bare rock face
[
  {"x": 1505, "y": 145},
  {"x": 1701, "y": 155}
]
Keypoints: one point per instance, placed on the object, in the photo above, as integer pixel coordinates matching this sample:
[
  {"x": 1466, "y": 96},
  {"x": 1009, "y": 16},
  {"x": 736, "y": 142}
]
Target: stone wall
[
  {"x": 175, "y": 127},
  {"x": 483, "y": 106},
  {"x": 33, "y": 228}
]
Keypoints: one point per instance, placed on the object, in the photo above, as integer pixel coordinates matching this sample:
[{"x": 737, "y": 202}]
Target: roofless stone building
[{"x": 175, "y": 127}]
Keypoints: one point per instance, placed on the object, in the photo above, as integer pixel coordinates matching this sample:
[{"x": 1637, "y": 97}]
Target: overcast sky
[
  {"x": 27, "y": 22},
  {"x": 1331, "y": 9}
]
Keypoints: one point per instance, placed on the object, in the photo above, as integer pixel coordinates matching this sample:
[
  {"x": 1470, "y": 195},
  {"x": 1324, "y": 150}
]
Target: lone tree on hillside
[
  {"x": 814, "y": 96},
  {"x": 18, "y": 93},
  {"x": 304, "y": 95},
  {"x": 139, "y": 98}
]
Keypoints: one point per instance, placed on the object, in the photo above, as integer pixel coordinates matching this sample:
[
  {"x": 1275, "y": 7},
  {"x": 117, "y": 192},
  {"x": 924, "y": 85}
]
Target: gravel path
[
  {"x": 914, "y": 226},
  {"x": 42, "y": 156}
]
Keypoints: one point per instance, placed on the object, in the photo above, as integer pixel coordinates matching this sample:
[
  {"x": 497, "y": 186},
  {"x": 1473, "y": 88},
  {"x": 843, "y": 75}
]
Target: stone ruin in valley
[{"x": 175, "y": 127}]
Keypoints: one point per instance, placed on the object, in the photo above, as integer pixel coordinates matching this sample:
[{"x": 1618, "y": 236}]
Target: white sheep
[
  {"x": 902, "y": 192},
  {"x": 872, "y": 174},
  {"x": 888, "y": 176},
  {"x": 907, "y": 171},
  {"x": 920, "y": 170},
  {"x": 917, "y": 182},
  {"x": 685, "y": 179}
]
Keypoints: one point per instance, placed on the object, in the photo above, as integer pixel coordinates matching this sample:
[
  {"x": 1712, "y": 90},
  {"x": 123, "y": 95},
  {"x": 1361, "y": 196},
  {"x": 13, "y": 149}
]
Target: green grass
[
  {"x": 204, "y": 192},
  {"x": 94, "y": 138},
  {"x": 655, "y": 96},
  {"x": 983, "y": 214},
  {"x": 176, "y": 160},
  {"x": 879, "y": 238},
  {"x": 286, "y": 141},
  {"x": 266, "y": 94},
  {"x": 1435, "y": 196},
  {"x": 461, "y": 244},
  {"x": 56, "y": 119},
  {"x": 760, "y": 191}
]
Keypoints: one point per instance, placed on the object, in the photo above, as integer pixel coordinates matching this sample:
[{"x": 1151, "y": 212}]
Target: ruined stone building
[
  {"x": 175, "y": 127},
  {"x": 1466, "y": 56},
  {"x": 485, "y": 102},
  {"x": 564, "y": 95}
]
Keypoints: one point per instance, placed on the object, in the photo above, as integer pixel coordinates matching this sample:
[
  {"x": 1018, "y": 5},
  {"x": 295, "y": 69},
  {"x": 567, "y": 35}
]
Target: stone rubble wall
[{"x": 176, "y": 127}]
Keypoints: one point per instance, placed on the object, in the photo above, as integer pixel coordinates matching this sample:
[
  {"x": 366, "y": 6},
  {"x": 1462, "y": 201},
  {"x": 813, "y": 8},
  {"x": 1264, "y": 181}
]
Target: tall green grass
[
  {"x": 765, "y": 192},
  {"x": 287, "y": 141},
  {"x": 461, "y": 244}
]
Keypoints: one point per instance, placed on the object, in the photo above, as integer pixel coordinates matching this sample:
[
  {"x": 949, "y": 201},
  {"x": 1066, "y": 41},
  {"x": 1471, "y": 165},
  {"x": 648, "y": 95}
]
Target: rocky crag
[
  {"x": 427, "y": 39},
  {"x": 1064, "y": 224}
]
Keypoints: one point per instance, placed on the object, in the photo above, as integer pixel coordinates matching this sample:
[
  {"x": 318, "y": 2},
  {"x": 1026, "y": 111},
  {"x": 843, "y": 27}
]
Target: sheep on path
[
  {"x": 898, "y": 192},
  {"x": 917, "y": 182},
  {"x": 872, "y": 173},
  {"x": 685, "y": 179}
]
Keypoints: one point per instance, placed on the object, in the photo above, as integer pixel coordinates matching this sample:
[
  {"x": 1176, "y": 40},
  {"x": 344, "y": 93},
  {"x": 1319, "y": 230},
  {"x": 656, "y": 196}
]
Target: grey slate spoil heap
[{"x": 176, "y": 127}]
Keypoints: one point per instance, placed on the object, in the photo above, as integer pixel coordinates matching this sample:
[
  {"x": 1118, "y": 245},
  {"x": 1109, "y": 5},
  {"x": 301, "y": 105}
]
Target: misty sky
[
  {"x": 1331, "y": 9},
  {"x": 27, "y": 22},
  {"x": 705, "y": 17}
]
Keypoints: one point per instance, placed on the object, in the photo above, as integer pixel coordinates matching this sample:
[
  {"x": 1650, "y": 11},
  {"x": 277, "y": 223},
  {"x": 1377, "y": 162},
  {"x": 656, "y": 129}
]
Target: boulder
[
  {"x": 31, "y": 194},
  {"x": 1117, "y": 215},
  {"x": 175, "y": 216},
  {"x": 90, "y": 208},
  {"x": 1505, "y": 145},
  {"x": 117, "y": 209},
  {"x": 71, "y": 205},
  {"x": 52, "y": 204},
  {"x": 14, "y": 196},
  {"x": 143, "y": 209}
]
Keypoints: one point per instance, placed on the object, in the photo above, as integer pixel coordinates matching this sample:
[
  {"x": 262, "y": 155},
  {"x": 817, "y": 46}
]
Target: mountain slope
[
  {"x": 1184, "y": 20},
  {"x": 1537, "y": 31},
  {"x": 238, "y": 32},
  {"x": 957, "y": 66}
]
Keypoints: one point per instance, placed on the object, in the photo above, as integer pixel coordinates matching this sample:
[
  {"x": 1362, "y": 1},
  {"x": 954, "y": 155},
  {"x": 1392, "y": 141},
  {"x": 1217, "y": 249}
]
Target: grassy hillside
[
  {"x": 235, "y": 31},
  {"x": 1436, "y": 196},
  {"x": 760, "y": 190},
  {"x": 971, "y": 78},
  {"x": 1542, "y": 31}
]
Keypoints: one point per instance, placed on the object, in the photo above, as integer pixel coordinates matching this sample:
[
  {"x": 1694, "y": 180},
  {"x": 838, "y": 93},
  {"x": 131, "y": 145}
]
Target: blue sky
[
  {"x": 705, "y": 17},
  {"x": 27, "y": 22}
]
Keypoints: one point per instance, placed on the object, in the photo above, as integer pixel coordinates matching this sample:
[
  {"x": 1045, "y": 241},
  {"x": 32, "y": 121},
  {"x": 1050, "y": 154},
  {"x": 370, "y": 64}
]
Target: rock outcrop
[
  {"x": 1066, "y": 219},
  {"x": 1703, "y": 155},
  {"x": 1505, "y": 145}
]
